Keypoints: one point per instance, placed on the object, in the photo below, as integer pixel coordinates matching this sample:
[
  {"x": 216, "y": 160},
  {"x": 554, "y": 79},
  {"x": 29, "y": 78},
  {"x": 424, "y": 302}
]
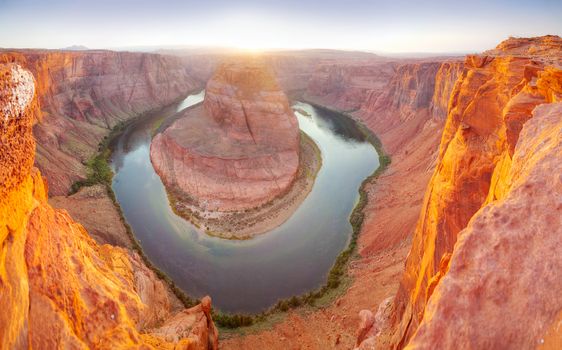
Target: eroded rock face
[
  {"x": 491, "y": 102},
  {"x": 506, "y": 268},
  {"x": 397, "y": 99},
  {"x": 417, "y": 94},
  {"x": 239, "y": 150},
  {"x": 346, "y": 85},
  {"x": 83, "y": 94},
  {"x": 545, "y": 46},
  {"x": 59, "y": 288},
  {"x": 94, "y": 209},
  {"x": 16, "y": 191}
]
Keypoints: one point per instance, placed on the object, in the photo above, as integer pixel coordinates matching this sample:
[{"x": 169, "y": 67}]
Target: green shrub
[{"x": 232, "y": 321}]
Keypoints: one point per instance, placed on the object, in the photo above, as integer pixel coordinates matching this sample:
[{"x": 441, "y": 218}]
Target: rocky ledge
[{"x": 238, "y": 151}]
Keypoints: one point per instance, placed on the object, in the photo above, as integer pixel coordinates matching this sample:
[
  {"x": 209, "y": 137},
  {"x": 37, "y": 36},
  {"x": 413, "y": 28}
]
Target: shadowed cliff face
[
  {"x": 415, "y": 97},
  {"x": 58, "y": 288},
  {"x": 83, "y": 94},
  {"x": 484, "y": 162}
]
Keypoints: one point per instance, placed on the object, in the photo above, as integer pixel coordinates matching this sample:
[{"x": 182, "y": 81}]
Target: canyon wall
[
  {"x": 84, "y": 94},
  {"x": 396, "y": 99},
  {"x": 489, "y": 228},
  {"x": 346, "y": 85},
  {"x": 295, "y": 68},
  {"x": 414, "y": 99},
  {"x": 58, "y": 288}
]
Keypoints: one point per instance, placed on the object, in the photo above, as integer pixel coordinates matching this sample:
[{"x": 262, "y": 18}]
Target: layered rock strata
[
  {"x": 346, "y": 85},
  {"x": 472, "y": 255},
  {"x": 59, "y": 289},
  {"x": 237, "y": 151}
]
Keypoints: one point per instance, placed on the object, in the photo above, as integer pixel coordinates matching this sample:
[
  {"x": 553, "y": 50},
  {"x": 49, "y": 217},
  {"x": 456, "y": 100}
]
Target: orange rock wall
[
  {"x": 502, "y": 287},
  {"x": 490, "y": 103}
]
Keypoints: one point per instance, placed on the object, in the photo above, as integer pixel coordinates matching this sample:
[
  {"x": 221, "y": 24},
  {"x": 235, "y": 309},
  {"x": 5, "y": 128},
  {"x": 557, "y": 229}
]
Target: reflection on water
[
  {"x": 344, "y": 128},
  {"x": 251, "y": 275}
]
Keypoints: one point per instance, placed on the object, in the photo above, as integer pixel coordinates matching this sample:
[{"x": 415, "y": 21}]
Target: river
[{"x": 249, "y": 275}]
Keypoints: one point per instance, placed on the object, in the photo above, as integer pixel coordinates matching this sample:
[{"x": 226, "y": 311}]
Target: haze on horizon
[{"x": 438, "y": 26}]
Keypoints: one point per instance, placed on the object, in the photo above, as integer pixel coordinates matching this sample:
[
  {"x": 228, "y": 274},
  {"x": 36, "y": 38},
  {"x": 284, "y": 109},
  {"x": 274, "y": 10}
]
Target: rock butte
[{"x": 237, "y": 151}]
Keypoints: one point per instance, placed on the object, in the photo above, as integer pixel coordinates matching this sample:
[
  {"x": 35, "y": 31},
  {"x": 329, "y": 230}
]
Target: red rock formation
[
  {"x": 417, "y": 94},
  {"x": 490, "y": 103},
  {"x": 544, "y": 46},
  {"x": 83, "y": 94},
  {"x": 58, "y": 288},
  {"x": 506, "y": 268},
  {"x": 237, "y": 151}
]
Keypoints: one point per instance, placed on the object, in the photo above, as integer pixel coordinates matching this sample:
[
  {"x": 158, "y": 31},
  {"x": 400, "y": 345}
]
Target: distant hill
[{"x": 75, "y": 48}]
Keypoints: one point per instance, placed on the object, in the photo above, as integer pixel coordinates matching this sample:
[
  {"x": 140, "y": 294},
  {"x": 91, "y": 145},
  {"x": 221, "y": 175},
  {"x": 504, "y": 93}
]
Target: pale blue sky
[{"x": 377, "y": 25}]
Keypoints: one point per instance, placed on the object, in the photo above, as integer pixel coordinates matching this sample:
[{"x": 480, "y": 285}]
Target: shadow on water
[{"x": 250, "y": 275}]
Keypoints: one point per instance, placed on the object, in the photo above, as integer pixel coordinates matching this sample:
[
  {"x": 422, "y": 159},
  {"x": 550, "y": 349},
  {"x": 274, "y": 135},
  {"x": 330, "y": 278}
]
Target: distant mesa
[
  {"x": 236, "y": 151},
  {"x": 75, "y": 48}
]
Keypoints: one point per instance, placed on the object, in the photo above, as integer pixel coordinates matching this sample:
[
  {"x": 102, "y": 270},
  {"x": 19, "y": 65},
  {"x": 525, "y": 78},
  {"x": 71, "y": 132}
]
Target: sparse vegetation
[{"x": 99, "y": 171}]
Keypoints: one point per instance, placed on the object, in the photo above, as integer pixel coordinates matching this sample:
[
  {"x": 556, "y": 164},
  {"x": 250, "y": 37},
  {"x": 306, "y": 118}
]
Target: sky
[{"x": 398, "y": 26}]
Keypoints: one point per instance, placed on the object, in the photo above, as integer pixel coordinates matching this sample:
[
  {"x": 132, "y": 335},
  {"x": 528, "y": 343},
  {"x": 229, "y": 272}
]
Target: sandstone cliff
[
  {"x": 397, "y": 99},
  {"x": 481, "y": 233},
  {"x": 83, "y": 94},
  {"x": 415, "y": 97},
  {"x": 505, "y": 271},
  {"x": 58, "y": 287},
  {"x": 346, "y": 85},
  {"x": 239, "y": 150}
]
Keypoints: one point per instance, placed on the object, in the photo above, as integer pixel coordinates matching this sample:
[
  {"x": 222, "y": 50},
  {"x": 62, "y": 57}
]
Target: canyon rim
[{"x": 311, "y": 175}]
